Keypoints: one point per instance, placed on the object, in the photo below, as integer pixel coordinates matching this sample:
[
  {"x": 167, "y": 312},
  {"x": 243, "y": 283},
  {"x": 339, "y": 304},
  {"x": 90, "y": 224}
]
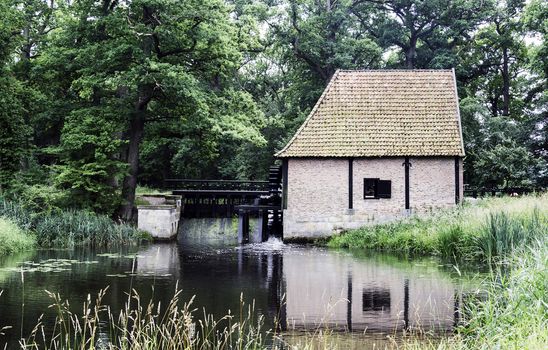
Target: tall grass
[
  {"x": 12, "y": 238},
  {"x": 513, "y": 314},
  {"x": 69, "y": 228},
  {"x": 485, "y": 231},
  {"x": 146, "y": 326}
]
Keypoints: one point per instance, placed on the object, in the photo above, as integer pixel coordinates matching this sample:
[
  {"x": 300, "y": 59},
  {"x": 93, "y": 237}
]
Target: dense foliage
[
  {"x": 13, "y": 239},
  {"x": 99, "y": 95}
]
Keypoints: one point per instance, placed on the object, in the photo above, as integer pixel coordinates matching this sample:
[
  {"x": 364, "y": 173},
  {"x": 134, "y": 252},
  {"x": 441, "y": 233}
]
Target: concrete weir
[{"x": 159, "y": 215}]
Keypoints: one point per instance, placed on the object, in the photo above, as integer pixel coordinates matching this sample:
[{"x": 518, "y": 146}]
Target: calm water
[{"x": 368, "y": 294}]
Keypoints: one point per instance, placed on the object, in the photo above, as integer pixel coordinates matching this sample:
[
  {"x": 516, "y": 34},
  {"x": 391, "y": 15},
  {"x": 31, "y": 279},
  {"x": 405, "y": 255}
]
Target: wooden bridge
[{"x": 228, "y": 198}]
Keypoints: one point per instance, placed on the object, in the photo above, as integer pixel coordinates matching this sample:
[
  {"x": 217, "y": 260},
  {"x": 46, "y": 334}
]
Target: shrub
[{"x": 12, "y": 238}]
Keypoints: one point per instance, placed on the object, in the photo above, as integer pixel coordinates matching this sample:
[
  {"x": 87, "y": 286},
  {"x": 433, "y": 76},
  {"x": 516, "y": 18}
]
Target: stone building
[{"x": 377, "y": 145}]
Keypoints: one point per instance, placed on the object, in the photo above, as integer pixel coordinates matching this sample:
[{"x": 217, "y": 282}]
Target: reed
[
  {"x": 12, "y": 238},
  {"x": 146, "y": 326},
  {"x": 513, "y": 312},
  {"x": 486, "y": 231},
  {"x": 69, "y": 228}
]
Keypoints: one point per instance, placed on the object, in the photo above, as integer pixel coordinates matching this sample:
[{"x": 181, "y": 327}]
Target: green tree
[
  {"x": 426, "y": 32},
  {"x": 136, "y": 63},
  {"x": 14, "y": 131}
]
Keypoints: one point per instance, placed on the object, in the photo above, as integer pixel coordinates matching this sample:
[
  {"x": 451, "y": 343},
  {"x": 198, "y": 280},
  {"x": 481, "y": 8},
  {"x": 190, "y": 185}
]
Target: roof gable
[{"x": 382, "y": 113}]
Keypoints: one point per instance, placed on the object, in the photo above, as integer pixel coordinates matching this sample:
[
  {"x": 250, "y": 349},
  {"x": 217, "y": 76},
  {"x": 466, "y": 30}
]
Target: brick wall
[{"x": 317, "y": 194}]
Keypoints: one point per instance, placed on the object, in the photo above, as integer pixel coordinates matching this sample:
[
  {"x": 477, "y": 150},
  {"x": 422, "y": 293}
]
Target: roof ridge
[{"x": 312, "y": 112}]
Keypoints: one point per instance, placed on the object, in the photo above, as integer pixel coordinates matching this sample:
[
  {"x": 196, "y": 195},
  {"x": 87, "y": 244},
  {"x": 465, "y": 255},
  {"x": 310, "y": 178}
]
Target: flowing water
[{"x": 370, "y": 295}]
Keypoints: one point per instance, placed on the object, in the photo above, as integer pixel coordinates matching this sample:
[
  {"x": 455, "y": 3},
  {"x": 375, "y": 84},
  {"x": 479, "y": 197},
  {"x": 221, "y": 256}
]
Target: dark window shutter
[{"x": 384, "y": 189}]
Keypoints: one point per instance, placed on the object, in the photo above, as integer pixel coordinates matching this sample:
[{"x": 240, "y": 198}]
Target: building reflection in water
[
  {"x": 304, "y": 288},
  {"x": 310, "y": 289},
  {"x": 340, "y": 292}
]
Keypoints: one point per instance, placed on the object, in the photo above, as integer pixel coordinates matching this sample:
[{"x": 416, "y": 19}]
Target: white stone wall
[
  {"x": 317, "y": 193},
  {"x": 160, "y": 221}
]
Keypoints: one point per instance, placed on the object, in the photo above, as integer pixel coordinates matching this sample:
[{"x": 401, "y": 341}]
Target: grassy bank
[
  {"x": 12, "y": 238},
  {"x": 482, "y": 231},
  {"x": 514, "y": 312},
  {"x": 69, "y": 228}
]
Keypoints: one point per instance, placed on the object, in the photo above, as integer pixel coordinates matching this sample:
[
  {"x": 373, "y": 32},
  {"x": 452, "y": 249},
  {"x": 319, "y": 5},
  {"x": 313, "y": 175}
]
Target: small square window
[
  {"x": 370, "y": 188},
  {"x": 376, "y": 188}
]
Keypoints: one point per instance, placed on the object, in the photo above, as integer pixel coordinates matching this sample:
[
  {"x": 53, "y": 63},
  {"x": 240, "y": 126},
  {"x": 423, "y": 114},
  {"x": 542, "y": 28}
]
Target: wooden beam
[
  {"x": 285, "y": 165},
  {"x": 407, "y": 165},
  {"x": 457, "y": 180},
  {"x": 350, "y": 183}
]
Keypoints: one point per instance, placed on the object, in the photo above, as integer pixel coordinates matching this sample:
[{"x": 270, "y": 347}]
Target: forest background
[{"x": 98, "y": 96}]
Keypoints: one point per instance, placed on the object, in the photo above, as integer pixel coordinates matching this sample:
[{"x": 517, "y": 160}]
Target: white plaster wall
[{"x": 317, "y": 193}]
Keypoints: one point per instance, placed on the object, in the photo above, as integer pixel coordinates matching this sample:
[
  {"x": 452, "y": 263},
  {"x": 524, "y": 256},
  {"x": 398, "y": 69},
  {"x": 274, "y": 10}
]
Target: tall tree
[
  {"x": 14, "y": 131},
  {"x": 153, "y": 60},
  {"x": 426, "y": 31}
]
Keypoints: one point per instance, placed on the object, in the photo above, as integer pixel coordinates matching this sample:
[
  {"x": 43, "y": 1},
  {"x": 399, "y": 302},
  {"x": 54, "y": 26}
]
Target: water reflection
[
  {"x": 294, "y": 287},
  {"x": 339, "y": 291}
]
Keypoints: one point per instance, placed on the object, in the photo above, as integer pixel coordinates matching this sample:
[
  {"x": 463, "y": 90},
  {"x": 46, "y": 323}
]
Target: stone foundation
[{"x": 161, "y": 217}]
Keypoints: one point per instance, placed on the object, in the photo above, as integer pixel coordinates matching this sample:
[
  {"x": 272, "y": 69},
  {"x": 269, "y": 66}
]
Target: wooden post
[
  {"x": 350, "y": 183},
  {"x": 407, "y": 165},
  {"x": 457, "y": 180},
  {"x": 284, "y": 183},
  {"x": 263, "y": 225},
  {"x": 243, "y": 227}
]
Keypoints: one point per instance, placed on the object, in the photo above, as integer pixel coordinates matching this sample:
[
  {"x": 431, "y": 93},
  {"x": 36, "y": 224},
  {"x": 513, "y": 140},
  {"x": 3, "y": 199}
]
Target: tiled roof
[{"x": 382, "y": 113}]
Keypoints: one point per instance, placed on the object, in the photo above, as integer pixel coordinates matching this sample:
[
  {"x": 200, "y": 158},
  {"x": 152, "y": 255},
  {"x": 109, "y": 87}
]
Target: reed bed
[
  {"x": 484, "y": 231},
  {"x": 146, "y": 326},
  {"x": 12, "y": 238},
  {"x": 69, "y": 228},
  {"x": 514, "y": 312}
]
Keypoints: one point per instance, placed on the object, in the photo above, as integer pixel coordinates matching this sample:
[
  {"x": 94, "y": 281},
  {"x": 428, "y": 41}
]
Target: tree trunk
[
  {"x": 135, "y": 133},
  {"x": 137, "y": 123},
  {"x": 505, "y": 83},
  {"x": 411, "y": 53}
]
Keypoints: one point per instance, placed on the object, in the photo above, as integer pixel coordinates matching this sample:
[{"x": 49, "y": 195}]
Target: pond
[{"x": 370, "y": 295}]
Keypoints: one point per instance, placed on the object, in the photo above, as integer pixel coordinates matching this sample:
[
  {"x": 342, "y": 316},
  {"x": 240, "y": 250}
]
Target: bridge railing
[{"x": 216, "y": 185}]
